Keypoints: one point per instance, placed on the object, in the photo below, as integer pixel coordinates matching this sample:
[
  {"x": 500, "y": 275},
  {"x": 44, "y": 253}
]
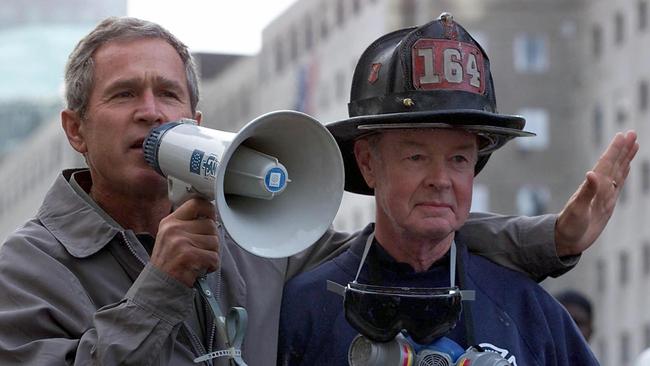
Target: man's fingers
[
  {"x": 586, "y": 192},
  {"x": 202, "y": 226},
  {"x": 195, "y": 208},
  {"x": 622, "y": 167},
  {"x": 631, "y": 153},
  {"x": 610, "y": 156},
  {"x": 617, "y": 157},
  {"x": 209, "y": 260},
  {"x": 205, "y": 242}
]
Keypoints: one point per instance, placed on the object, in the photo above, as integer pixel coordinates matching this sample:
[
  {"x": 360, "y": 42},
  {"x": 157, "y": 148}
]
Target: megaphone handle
[
  {"x": 221, "y": 322},
  {"x": 179, "y": 191}
]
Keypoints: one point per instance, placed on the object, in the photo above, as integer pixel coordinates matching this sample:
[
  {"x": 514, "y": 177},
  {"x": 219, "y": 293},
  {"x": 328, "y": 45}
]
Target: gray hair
[
  {"x": 373, "y": 143},
  {"x": 79, "y": 71}
]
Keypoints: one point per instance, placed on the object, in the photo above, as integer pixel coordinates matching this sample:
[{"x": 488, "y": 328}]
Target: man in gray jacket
[{"x": 104, "y": 273}]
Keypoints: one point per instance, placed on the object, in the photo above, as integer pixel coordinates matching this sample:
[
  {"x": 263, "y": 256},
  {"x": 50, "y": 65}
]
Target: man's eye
[
  {"x": 416, "y": 157},
  {"x": 169, "y": 94},
  {"x": 123, "y": 94},
  {"x": 460, "y": 159}
]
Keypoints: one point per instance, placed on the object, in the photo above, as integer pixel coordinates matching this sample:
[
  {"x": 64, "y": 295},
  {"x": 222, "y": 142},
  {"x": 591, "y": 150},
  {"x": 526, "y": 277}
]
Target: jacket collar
[{"x": 78, "y": 226}]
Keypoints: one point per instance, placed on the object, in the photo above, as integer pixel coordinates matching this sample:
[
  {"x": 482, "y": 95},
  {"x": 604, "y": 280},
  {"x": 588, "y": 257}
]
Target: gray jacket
[{"x": 77, "y": 289}]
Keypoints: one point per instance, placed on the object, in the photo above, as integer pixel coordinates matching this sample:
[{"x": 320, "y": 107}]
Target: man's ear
[
  {"x": 198, "y": 116},
  {"x": 365, "y": 159},
  {"x": 71, "y": 123}
]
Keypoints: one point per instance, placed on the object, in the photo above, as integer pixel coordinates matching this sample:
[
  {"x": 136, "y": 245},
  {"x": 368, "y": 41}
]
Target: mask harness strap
[
  {"x": 366, "y": 249},
  {"x": 467, "y": 303},
  {"x": 452, "y": 263}
]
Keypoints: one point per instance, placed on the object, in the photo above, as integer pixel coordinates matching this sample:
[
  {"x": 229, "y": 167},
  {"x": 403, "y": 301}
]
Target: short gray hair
[{"x": 79, "y": 71}]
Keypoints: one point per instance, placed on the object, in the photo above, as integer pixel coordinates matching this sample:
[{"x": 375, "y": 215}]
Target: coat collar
[{"x": 78, "y": 226}]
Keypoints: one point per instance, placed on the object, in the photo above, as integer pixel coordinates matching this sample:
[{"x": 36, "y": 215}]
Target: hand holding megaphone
[
  {"x": 277, "y": 185},
  {"x": 187, "y": 242}
]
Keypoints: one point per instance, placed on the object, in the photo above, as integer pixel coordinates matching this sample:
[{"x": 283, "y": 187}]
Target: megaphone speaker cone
[{"x": 311, "y": 162}]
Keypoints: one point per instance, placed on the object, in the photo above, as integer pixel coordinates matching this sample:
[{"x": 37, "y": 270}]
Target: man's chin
[
  {"x": 148, "y": 182},
  {"x": 434, "y": 229}
]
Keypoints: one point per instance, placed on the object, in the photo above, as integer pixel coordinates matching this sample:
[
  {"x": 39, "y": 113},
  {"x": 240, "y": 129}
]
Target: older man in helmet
[{"x": 423, "y": 123}]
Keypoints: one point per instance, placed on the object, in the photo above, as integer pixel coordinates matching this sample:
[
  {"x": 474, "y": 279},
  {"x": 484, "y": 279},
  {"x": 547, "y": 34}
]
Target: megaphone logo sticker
[
  {"x": 210, "y": 166},
  {"x": 195, "y": 161},
  {"x": 203, "y": 165},
  {"x": 275, "y": 180}
]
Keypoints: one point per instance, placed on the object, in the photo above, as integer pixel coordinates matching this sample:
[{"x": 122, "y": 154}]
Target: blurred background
[{"x": 576, "y": 69}]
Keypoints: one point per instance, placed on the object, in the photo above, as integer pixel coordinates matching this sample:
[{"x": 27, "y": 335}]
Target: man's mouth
[
  {"x": 137, "y": 144},
  {"x": 434, "y": 204}
]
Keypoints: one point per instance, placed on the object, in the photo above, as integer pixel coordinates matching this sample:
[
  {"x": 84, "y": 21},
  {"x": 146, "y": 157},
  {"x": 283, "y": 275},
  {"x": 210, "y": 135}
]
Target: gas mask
[
  {"x": 404, "y": 351},
  {"x": 395, "y": 322}
]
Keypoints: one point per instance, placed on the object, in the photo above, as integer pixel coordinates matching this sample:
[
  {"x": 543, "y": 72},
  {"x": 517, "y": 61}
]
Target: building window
[
  {"x": 480, "y": 198},
  {"x": 532, "y": 200},
  {"x": 621, "y": 115},
  {"x": 599, "y": 125},
  {"x": 643, "y": 95},
  {"x": 340, "y": 13},
  {"x": 646, "y": 258},
  {"x": 530, "y": 53},
  {"x": 356, "y": 6},
  {"x": 645, "y": 177},
  {"x": 279, "y": 56},
  {"x": 624, "y": 268},
  {"x": 309, "y": 34},
  {"x": 601, "y": 275},
  {"x": 293, "y": 44},
  {"x": 597, "y": 41},
  {"x": 642, "y": 12},
  {"x": 536, "y": 122},
  {"x": 324, "y": 26},
  {"x": 619, "y": 28}
]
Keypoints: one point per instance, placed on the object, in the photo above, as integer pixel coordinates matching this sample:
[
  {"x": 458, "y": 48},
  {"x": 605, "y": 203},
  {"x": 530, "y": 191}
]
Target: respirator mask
[
  {"x": 402, "y": 351},
  {"x": 405, "y": 325}
]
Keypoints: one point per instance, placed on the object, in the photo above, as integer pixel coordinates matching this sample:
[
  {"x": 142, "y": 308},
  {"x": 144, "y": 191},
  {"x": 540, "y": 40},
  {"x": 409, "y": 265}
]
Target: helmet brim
[{"x": 497, "y": 128}]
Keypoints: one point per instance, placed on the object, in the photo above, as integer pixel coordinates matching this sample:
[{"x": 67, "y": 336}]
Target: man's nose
[
  {"x": 437, "y": 176},
  {"x": 148, "y": 109}
]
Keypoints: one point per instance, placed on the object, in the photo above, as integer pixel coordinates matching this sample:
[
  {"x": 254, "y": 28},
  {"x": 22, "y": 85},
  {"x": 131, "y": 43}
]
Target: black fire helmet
[{"x": 432, "y": 76}]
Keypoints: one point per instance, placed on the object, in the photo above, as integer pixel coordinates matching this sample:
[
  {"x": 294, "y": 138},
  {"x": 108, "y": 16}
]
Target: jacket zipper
[{"x": 193, "y": 338}]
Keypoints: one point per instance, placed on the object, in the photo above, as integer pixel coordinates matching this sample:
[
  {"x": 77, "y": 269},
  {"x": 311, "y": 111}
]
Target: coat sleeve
[
  {"x": 525, "y": 244},
  {"x": 48, "y": 319},
  {"x": 330, "y": 245}
]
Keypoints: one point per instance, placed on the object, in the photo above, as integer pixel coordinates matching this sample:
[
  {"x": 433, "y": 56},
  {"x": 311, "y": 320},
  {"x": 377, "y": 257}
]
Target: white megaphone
[{"x": 277, "y": 184}]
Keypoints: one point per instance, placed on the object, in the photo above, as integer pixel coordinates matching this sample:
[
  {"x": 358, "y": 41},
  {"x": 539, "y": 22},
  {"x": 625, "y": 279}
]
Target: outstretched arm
[
  {"x": 548, "y": 245},
  {"x": 586, "y": 214}
]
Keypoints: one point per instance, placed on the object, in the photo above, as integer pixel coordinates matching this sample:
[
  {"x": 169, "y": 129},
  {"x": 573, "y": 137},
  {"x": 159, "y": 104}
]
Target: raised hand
[{"x": 588, "y": 210}]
